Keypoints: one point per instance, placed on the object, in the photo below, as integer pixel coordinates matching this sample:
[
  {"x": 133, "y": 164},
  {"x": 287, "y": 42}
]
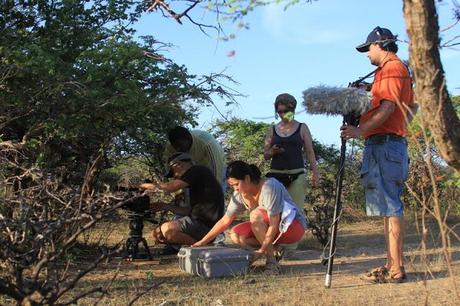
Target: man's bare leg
[
  {"x": 386, "y": 231},
  {"x": 401, "y": 242},
  {"x": 395, "y": 246},
  {"x": 173, "y": 234}
]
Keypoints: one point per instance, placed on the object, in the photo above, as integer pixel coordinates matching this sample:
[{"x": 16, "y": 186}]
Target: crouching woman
[{"x": 274, "y": 218}]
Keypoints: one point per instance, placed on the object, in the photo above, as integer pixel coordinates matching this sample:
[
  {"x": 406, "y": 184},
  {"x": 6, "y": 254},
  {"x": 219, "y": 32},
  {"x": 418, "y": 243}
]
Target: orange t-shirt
[{"x": 392, "y": 82}]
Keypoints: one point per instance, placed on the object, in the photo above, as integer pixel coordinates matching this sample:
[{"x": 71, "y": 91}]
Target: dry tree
[{"x": 40, "y": 221}]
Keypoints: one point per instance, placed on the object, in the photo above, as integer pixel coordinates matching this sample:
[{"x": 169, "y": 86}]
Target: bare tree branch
[
  {"x": 40, "y": 221},
  {"x": 450, "y": 42}
]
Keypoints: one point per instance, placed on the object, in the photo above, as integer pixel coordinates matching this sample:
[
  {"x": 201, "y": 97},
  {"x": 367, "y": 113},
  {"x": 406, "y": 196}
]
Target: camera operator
[{"x": 206, "y": 202}]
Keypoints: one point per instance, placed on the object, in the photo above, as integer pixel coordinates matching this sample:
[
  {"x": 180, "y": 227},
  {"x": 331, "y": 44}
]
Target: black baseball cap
[
  {"x": 377, "y": 35},
  {"x": 174, "y": 158}
]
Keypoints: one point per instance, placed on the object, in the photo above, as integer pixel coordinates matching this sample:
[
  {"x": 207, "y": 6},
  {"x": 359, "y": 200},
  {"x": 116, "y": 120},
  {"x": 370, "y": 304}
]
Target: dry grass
[{"x": 360, "y": 247}]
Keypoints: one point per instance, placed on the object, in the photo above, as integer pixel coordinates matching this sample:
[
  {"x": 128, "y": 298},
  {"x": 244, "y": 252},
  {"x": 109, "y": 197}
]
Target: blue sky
[{"x": 290, "y": 51}]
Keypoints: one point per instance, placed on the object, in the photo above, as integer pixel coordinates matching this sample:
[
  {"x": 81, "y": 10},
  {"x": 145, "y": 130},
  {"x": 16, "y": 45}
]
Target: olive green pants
[{"x": 297, "y": 189}]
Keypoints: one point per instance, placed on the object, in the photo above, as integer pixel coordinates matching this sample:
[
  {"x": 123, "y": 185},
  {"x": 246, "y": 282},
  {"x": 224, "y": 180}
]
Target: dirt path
[{"x": 360, "y": 247}]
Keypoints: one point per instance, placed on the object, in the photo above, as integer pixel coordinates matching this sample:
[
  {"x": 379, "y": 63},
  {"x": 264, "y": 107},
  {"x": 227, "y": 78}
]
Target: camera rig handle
[
  {"x": 352, "y": 118},
  {"x": 359, "y": 83}
]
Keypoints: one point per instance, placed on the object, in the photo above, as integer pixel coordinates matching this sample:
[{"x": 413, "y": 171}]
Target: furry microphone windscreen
[{"x": 336, "y": 101}]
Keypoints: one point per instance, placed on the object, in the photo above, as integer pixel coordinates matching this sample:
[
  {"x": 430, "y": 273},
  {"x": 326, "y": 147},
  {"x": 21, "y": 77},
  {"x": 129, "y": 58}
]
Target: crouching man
[{"x": 206, "y": 202}]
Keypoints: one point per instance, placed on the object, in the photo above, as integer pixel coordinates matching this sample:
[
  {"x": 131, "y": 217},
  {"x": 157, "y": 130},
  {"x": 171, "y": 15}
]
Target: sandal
[
  {"x": 403, "y": 272},
  {"x": 383, "y": 270},
  {"x": 279, "y": 254},
  {"x": 376, "y": 275},
  {"x": 391, "y": 279},
  {"x": 383, "y": 276}
]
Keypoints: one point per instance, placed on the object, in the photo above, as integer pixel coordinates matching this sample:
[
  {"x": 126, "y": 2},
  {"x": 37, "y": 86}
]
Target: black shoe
[{"x": 167, "y": 250}]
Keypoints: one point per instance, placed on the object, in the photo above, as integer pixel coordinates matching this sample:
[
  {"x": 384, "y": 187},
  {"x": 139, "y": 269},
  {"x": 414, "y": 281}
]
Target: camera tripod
[{"x": 136, "y": 227}]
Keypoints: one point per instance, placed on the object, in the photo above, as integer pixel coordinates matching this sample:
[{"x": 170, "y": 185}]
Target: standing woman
[
  {"x": 273, "y": 219},
  {"x": 285, "y": 145}
]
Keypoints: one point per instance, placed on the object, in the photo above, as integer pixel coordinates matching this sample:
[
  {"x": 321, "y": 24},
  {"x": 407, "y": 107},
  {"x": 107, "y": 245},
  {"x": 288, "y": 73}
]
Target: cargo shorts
[
  {"x": 383, "y": 173},
  {"x": 193, "y": 227}
]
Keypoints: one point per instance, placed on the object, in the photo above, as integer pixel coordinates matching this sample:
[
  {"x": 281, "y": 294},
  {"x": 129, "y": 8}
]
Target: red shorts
[{"x": 292, "y": 235}]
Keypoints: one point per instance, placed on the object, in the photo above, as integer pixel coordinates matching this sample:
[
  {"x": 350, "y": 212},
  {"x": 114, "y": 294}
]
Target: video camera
[{"x": 138, "y": 205}]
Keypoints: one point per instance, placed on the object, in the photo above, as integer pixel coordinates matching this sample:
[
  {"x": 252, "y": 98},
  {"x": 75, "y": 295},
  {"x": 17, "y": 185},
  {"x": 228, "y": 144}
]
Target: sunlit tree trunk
[{"x": 430, "y": 84}]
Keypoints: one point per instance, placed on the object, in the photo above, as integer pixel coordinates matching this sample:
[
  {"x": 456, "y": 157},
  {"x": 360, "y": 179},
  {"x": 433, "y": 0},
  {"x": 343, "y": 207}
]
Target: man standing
[
  {"x": 202, "y": 146},
  {"x": 206, "y": 202},
  {"x": 385, "y": 158}
]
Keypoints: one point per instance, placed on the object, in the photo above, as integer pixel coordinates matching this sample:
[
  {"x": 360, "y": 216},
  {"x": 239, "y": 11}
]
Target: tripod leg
[
  {"x": 146, "y": 247},
  {"x": 132, "y": 248},
  {"x": 337, "y": 209}
]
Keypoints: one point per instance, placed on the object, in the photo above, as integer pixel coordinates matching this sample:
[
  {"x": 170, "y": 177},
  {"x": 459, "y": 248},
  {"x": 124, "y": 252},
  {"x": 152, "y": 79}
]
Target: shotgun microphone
[{"x": 336, "y": 101}]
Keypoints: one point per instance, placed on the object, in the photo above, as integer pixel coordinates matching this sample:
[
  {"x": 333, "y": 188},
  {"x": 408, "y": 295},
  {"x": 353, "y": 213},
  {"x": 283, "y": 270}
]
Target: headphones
[{"x": 384, "y": 42}]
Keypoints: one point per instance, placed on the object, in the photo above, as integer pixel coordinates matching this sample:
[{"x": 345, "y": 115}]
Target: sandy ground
[{"x": 360, "y": 247}]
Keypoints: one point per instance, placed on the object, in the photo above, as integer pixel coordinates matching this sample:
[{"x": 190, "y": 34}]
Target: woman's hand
[
  {"x": 257, "y": 254},
  {"x": 198, "y": 244},
  {"x": 276, "y": 150}
]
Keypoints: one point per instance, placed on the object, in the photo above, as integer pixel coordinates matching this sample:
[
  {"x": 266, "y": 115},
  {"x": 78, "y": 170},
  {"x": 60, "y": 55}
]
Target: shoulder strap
[{"x": 299, "y": 127}]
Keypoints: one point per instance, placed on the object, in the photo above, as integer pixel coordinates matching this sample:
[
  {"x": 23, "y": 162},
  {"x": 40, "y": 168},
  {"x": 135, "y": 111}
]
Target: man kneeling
[{"x": 205, "y": 197}]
